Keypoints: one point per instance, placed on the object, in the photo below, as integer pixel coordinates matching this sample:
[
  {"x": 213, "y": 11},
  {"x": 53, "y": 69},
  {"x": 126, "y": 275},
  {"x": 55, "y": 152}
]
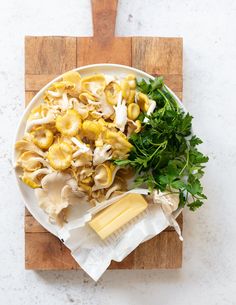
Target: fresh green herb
[{"x": 164, "y": 153}]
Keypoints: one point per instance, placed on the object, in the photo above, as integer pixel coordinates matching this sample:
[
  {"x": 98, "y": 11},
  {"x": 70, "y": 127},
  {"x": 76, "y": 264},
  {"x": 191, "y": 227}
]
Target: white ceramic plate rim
[{"x": 46, "y": 224}]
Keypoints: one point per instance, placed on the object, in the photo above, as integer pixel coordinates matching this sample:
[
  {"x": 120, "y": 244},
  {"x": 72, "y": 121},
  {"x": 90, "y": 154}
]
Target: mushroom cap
[{"x": 58, "y": 192}]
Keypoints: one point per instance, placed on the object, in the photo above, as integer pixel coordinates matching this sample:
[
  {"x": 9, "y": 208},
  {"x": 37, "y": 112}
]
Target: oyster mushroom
[
  {"x": 73, "y": 77},
  {"x": 65, "y": 86},
  {"x": 119, "y": 142},
  {"x": 23, "y": 145},
  {"x": 60, "y": 156},
  {"x": 91, "y": 129},
  {"x": 33, "y": 179},
  {"x": 94, "y": 84},
  {"x": 169, "y": 203},
  {"x": 87, "y": 98},
  {"x": 69, "y": 123},
  {"x": 31, "y": 161},
  {"x": 106, "y": 109},
  {"x": 133, "y": 126},
  {"x": 42, "y": 137},
  {"x": 83, "y": 159},
  {"x": 58, "y": 192},
  {"x": 119, "y": 184},
  {"x": 38, "y": 112},
  {"x": 49, "y": 118},
  {"x": 82, "y": 109},
  {"x": 121, "y": 113},
  {"x": 102, "y": 154},
  {"x": 82, "y": 147},
  {"x": 150, "y": 110}
]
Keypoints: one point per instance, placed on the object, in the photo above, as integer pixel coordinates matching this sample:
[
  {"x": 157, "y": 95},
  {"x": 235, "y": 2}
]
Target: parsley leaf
[{"x": 164, "y": 153}]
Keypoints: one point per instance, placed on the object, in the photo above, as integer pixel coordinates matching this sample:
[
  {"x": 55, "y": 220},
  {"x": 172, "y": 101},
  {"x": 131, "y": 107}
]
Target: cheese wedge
[{"x": 118, "y": 214}]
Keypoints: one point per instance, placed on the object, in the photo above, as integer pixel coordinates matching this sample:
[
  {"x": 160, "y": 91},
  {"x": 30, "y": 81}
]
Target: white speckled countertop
[{"x": 208, "y": 275}]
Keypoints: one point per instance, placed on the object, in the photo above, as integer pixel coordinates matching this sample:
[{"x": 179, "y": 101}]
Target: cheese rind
[{"x": 118, "y": 214}]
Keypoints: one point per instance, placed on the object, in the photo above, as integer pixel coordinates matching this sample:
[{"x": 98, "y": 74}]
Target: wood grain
[
  {"x": 36, "y": 82},
  {"x": 104, "y": 19},
  {"x": 44, "y": 251},
  {"x": 47, "y": 57},
  {"x": 93, "y": 51},
  {"x": 28, "y": 96},
  {"x": 158, "y": 55}
]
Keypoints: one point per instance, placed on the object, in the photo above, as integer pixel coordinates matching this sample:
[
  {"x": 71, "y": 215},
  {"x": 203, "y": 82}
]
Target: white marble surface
[{"x": 208, "y": 275}]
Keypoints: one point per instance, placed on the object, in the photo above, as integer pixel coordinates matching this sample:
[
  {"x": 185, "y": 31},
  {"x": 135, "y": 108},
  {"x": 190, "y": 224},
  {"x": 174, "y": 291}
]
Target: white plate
[{"x": 27, "y": 193}]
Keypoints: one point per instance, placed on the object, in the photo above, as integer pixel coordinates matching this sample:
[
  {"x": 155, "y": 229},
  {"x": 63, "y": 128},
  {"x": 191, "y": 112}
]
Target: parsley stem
[
  {"x": 162, "y": 145},
  {"x": 186, "y": 164}
]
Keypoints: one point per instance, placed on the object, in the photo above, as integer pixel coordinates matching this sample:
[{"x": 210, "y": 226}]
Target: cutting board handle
[{"x": 104, "y": 18}]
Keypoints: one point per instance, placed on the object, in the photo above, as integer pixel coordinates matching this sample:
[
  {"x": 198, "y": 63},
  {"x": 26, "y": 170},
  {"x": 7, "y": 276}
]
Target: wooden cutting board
[{"x": 47, "y": 57}]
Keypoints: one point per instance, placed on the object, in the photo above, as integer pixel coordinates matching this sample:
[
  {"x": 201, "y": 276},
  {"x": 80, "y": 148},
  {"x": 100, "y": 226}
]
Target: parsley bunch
[{"x": 164, "y": 153}]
